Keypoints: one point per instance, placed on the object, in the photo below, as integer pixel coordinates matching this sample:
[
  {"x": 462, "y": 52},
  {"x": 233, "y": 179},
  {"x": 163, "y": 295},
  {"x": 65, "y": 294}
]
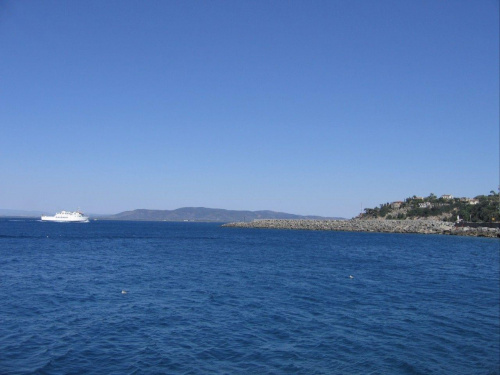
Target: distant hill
[
  {"x": 19, "y": 213},
  {"x": 204, "y": 214},
  {"x": 30, "y": 214}
]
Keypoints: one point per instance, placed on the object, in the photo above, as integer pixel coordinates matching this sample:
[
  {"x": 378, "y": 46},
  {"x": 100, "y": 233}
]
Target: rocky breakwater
[{"x": 381, "y": 226}]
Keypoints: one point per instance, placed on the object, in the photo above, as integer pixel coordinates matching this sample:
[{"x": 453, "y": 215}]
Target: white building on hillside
[{"x": 396, "y": 204}]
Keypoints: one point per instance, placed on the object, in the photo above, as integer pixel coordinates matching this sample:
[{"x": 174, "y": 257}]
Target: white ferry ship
[{"x": 67, "y": 217}]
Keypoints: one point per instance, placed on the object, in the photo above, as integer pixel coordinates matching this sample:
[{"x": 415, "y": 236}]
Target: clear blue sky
[{"x": 306, "y": 107}]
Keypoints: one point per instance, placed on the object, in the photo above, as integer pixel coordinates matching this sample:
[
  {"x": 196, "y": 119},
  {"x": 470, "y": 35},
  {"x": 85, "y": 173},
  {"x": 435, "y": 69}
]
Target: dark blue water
[{"x": 202, "y": 299}]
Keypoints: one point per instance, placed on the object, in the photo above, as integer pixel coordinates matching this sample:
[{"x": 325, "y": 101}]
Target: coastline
[{"x": 378, "y": 226}]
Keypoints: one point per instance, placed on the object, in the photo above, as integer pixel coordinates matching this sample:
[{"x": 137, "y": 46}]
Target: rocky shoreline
[{"x": 380, "y": 226}]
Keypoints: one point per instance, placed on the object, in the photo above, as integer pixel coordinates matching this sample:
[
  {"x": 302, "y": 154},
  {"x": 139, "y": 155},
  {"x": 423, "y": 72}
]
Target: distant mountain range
[
  {"x": 30, "y": 214},
  {"x": 180, "y": 214},
  {"x": 19, "y": 213},
  {"x": 205, "y": 214}
]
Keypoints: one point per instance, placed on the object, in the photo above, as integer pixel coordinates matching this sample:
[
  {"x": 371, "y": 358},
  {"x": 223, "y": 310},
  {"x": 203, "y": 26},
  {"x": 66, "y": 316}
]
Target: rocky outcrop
[
  {"x": 382, "y": 226},
  {"x": 476, "y": 232}
]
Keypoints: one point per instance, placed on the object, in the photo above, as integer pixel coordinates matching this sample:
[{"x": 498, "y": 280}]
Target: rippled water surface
[{"x": 200, "y": 299}]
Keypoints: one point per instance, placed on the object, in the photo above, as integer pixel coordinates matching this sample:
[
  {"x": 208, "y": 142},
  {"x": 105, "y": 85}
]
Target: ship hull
[
  {"x": 83, "y": 219},
  {"x": 67, "y": 217}
]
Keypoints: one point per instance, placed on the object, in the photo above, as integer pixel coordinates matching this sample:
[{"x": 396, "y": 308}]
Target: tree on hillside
[{"x": 384, "y": 209}]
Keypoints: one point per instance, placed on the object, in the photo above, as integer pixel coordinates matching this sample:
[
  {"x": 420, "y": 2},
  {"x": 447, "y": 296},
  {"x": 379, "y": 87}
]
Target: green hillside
[{"x": 482, "y": 208}]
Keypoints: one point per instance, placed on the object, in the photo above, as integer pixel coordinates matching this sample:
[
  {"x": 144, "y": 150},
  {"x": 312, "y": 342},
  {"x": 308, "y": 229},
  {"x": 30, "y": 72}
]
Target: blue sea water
[{"x": 202, "y": 299}]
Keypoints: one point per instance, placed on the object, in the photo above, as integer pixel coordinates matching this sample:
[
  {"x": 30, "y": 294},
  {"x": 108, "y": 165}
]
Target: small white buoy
[
  {"x": 351, "y": 276},
  {"x": 124, "y": 292}
]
